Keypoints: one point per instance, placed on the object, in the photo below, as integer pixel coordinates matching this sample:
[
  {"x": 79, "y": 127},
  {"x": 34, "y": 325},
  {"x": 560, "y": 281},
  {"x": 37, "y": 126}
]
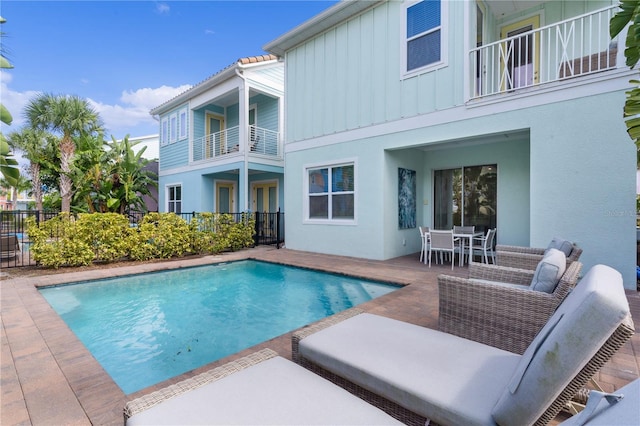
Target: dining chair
[
  {"x": 484, "y": 246},
  {"x": 425, "y": 238},
  {"x": 443, "y": 242}
]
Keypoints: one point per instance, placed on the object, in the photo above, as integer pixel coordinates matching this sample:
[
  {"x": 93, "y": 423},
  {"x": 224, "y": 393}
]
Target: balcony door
[
  {"x": 520, "y": 54},
  {"x": 215, "y": 141},
  {"x": 466, "y": 196}
]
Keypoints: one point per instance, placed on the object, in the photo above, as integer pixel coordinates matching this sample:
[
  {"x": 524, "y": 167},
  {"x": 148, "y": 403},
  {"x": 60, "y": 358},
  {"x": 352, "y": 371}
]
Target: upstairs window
[
  {"x": 164, "y": 131},
  {"x": 182, "y": 123},
  {"x": 173, "y": 128},
  {"x": 423, "y": 45}
]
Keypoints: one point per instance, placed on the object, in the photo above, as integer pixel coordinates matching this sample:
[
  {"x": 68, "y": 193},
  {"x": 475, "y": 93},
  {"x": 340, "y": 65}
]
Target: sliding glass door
[{"x": 465, "y": 196}]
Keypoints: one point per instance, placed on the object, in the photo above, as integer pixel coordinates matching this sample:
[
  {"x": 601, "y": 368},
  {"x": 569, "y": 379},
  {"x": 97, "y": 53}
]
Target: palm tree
[
  {"x": 35, "y": 145},
  {"x": 72, "y": 117}
]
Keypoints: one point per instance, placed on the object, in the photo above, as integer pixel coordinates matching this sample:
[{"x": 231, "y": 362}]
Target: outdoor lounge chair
[
  {"x": 261, "y": 388},
  {"x": 506, "y": 317},
  {"x": 9, "y": 246},
  {"x": 528, "y": 257},
  {"x": 418, "y": 373}
]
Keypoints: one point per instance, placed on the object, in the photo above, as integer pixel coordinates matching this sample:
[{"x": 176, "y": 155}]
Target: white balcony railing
[
  {"x": 227, "y": 142},
  {"x": 574, "y": 47}
]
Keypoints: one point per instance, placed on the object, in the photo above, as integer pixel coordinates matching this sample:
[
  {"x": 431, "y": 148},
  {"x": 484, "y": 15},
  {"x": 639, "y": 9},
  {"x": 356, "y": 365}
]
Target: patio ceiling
[{"x": 501, "y": 8}]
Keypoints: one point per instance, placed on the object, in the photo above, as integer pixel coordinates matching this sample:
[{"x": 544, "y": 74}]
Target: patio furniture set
[
  {"x": 514, "y": 346},
  {"x": 461, "y": 240}
]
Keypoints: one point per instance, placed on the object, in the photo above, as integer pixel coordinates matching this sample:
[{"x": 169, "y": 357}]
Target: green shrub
[
  {"x": 56, "y": 242},
  {"x": 160, "y": 236},
  {"x": 106, "y": 233}
]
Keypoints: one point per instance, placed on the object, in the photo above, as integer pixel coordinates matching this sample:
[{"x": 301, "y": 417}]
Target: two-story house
[
  {"x": 504, "y": 114},
  {"x": 220, "y": 141}
]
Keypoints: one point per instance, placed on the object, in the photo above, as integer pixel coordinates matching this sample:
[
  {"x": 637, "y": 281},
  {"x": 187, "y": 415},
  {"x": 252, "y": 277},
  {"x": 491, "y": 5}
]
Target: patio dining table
[{"x": 465, "y": 236}]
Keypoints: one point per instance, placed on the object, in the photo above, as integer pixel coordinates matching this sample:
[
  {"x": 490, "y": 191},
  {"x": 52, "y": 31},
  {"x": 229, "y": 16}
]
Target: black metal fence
[{"x": 14, "y": 241}]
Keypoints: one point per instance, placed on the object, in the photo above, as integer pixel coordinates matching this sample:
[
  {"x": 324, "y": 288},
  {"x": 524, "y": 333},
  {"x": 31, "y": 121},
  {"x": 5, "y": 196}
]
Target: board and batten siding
[{"x": 350, "y": 76}]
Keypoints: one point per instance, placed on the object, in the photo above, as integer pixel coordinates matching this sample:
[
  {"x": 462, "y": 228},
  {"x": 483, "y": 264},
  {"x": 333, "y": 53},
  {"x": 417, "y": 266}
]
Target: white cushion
[
  {"x": 549, "y": 271},
  {"x": 571, "y": 337},
  {"x": 275, "y": 391},
  {"x": 443, "y": 377},
  {"x": 561, "y": 244}
]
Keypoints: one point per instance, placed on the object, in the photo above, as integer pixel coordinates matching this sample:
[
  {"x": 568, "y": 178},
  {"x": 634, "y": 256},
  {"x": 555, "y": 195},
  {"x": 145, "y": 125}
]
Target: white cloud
[
  {"x": 162, "y": 8},
  {"x": 13, "y": 101},
  {"x": 130, "y": 115}
]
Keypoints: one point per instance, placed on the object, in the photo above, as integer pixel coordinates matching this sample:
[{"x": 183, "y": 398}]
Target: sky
[{"x": 127, "y": 57}]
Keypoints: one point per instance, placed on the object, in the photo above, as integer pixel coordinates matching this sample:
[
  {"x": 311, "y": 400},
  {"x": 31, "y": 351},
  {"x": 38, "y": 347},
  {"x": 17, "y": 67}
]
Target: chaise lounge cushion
[
  {"x": 578, "y": 328},
  {"x": 275, "y": 391},
  {"x": 440, "y": 376},
  {"x": 549, "y": 271}
]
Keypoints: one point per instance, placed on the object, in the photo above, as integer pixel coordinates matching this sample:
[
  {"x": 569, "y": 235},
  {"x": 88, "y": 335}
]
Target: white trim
[
  {"x": 305, "y": 192},
  {"x": 444, "y": 40}
]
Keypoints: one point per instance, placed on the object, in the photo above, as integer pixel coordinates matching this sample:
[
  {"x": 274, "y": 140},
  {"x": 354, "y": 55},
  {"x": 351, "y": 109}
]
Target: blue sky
[{"x": 127, "y": 57}]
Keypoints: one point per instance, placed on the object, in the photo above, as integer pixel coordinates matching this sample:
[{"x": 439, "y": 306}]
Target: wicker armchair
[
  {"x": 527, "y": 257},
  {"x": 505, "y": 317}
]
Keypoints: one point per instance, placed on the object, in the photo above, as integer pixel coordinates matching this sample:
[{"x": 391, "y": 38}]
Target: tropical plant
[
  {"x": 70, "y": 116},
  {"x": 630, "y": 14},
  {"x": 36, "y": 146},
  {"x": 8, "y": 165}
]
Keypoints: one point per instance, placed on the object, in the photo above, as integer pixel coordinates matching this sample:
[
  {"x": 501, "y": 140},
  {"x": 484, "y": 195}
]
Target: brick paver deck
[{"x": 48, "y": 377}]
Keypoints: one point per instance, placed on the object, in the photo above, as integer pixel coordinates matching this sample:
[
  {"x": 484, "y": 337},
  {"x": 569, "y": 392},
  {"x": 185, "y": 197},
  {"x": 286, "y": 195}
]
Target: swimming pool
[{"x": 146, "y": 328}]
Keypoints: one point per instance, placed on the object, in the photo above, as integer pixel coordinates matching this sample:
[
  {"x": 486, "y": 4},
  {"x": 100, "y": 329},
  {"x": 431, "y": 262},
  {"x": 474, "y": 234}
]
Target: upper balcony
[
  {"x": 263, "y": 143},
  {"x": 529, "y": 55}
]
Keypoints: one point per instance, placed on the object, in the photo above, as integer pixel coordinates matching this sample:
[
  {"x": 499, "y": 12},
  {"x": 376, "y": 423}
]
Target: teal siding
[{"x": 177, "y": 153}]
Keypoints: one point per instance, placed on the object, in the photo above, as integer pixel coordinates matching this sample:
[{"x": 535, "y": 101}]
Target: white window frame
[
  {"x": 183, "y": 121},
  {"x": 164, "y": 131},
  {"x": 330, "y": 221},
  {"x": 173, "y": 128},
  {"x": 404, "y": 41},
  {"x": 168, "y": 201}
]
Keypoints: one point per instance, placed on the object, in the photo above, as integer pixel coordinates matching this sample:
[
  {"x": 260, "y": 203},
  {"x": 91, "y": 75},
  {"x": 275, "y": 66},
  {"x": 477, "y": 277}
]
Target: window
[
  {"x": 174, "y": 199},
  {"x": 173, "y": 128},
  {"x": 182, "y": 123},
  {"x": 331, "y": 192},
  {"x": 424, "y": 38},
  {"x": 164, "y": 131}
]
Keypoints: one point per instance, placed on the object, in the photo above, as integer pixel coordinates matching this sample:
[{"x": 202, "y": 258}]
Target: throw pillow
[
  {"x": 549, "y": 271},
  {"x": 561, "y": 244}
]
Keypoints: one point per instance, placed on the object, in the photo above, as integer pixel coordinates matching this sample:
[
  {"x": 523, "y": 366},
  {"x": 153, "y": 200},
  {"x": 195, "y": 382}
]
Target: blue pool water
[{"x": 146, "y": 328}]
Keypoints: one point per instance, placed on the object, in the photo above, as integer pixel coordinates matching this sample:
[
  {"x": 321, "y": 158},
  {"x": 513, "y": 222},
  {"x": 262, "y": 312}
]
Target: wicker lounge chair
[
  {"x": 261, "y": 388},
  {"x": 416, "y": 373},
  {"x": 528, "y": 257},
  {"x": 618, "y": 408}
]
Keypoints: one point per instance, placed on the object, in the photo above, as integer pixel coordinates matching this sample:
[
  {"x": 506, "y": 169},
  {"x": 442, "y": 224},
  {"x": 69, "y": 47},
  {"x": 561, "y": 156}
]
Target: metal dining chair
[
  {"x": 425, "y": 238},
  {"x": 443, "y": 242}
]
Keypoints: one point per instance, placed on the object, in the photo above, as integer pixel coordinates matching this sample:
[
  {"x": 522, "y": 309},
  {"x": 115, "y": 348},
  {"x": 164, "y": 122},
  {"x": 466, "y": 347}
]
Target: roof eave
[{"x": 318, "y": 24}]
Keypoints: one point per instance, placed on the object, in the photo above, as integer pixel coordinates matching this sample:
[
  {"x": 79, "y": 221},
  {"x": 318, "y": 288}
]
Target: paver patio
[{"x": 48, "y": 377}]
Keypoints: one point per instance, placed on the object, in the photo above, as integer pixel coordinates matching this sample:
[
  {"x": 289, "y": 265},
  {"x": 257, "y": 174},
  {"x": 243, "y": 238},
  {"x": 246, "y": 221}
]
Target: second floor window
[{"x": 424, "y": 36}]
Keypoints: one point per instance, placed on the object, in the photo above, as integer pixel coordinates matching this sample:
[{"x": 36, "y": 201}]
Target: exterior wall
[{"x": 174, "y": 154}]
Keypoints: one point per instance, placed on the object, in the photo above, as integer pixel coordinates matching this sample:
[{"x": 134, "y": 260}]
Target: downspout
[{"x": 243, "y": 132}]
